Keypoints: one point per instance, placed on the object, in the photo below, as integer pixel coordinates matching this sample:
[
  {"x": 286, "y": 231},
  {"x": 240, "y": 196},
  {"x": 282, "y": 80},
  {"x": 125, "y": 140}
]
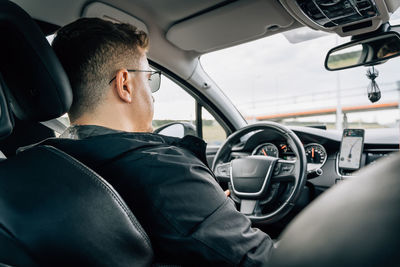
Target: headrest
[{"x": 37, "y": 87}]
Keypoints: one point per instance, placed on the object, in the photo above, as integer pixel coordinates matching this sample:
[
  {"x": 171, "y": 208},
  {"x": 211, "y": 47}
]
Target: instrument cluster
[{"x": 316, "y": 153}]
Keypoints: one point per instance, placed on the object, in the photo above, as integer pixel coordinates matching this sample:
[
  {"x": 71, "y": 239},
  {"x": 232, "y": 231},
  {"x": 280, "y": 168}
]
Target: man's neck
[
  {"x": 104, "y": 120},
  {"x": 116, "y": 123}
]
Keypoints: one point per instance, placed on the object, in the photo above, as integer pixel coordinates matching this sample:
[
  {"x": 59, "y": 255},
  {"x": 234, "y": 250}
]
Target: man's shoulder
[
  {"x": 187, "y": 147},
  {"x": 114, "y": 144}
]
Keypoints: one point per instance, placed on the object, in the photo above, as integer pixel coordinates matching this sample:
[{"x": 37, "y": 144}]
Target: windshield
[{"x": 274, "y": 79}]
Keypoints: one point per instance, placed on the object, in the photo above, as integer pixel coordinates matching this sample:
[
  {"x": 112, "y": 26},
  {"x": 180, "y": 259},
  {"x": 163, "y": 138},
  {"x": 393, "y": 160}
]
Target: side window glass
[
  {"x": 213, "y": 133},
  {"x": 172, "y": 103}
]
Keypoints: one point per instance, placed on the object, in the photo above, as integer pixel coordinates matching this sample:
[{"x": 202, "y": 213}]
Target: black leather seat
[
  {"x": 53, "y": 209},
  {"x": 356, "y": 223}
]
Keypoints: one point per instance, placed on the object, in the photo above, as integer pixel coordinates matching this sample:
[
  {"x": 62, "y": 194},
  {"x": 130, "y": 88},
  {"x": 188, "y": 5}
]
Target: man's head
[{"x": 93, "y": 52}]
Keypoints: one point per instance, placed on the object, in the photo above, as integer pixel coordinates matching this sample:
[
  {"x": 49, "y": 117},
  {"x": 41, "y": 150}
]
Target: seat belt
[
  {"x": 56, "y": 125},
  {"x": 2, "y": 156}
]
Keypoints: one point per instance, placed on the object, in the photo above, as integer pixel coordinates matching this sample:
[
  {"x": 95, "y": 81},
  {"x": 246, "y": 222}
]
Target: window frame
[{"x": 200, "y": 101}]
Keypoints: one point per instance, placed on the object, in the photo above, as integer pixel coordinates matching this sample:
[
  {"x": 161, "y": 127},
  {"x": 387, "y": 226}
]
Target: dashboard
[{"x": 322, "y": 149}]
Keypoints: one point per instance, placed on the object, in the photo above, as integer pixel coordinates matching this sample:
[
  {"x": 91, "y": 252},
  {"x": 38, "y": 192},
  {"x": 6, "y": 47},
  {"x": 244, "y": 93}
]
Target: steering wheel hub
[{"x": 250, "y": 176}]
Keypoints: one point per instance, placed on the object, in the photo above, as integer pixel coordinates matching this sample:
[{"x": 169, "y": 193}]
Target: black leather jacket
[{"x": 168, "y": 186}]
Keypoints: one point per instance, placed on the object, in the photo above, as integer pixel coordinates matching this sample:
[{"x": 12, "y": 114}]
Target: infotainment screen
[{"x": 351, "y": 149}]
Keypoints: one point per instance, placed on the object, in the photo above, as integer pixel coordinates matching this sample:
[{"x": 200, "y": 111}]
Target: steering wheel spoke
[
  {"x": 248, "y": 206},
  {"x": 222, "y": 172},
  {"x": 284, "y": 171}
]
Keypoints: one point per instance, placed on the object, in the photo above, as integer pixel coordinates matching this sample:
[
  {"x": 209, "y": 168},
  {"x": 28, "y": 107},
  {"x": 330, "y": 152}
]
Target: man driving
[{"x": 164, "y": 180}]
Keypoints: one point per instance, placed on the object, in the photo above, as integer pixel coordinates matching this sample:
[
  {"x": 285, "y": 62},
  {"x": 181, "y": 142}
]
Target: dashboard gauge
[
  {"x": 316, "y": 156},
  {"x": 266, "y": 149},
  {"x": 283, "y": 147}
]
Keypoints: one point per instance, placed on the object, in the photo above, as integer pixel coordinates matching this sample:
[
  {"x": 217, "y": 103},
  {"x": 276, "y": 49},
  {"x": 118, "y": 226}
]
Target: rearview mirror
[{"x": 365, "y": 52}]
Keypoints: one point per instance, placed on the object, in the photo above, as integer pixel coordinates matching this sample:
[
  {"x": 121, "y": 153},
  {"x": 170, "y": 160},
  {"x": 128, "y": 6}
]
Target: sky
[{"x": 272, "y": 75}]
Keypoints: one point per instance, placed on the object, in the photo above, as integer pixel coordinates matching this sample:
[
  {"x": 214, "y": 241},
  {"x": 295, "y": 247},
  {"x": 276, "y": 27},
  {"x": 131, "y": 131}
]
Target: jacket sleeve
[
  {"x": 185, "y": 212},
  {"x": 229, "y": 233}
]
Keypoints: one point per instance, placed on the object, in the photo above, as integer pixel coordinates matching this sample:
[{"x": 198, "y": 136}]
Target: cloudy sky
[{"x": 273, "y": 75}]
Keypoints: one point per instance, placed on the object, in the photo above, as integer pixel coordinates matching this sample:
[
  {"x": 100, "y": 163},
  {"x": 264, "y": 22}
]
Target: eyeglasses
[{"x": 154, "y": 79}]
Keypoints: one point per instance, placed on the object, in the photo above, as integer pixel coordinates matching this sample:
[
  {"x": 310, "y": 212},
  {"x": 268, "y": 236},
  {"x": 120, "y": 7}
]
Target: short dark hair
[{"x": 91, "y": 51}]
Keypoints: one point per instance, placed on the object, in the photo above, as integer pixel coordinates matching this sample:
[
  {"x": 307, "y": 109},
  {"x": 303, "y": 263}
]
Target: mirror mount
[{"x": 385, "y": 27}]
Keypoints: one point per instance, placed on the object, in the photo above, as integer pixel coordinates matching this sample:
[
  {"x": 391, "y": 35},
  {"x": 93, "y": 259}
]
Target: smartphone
[{"x": 351, "y": 149}]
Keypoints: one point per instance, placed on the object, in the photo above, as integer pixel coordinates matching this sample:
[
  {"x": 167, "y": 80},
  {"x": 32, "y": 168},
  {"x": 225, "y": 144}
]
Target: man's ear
[{"x": 123, "y": 86}]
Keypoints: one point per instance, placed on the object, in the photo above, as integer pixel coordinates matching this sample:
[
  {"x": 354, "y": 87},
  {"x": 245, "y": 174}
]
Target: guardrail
[{"x": 290, "y": 106}]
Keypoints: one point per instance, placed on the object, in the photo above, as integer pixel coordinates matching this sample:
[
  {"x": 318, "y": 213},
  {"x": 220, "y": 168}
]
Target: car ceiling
[
  {"x": 184, "y": 29},
  {"x": 168, "y": 12},
  {"x": 180, "y": 30},
  {"x": 189, "y": 15}
]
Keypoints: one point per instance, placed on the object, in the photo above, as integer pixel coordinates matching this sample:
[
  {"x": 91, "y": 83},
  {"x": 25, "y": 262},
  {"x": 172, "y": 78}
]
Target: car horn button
[{"x": 250, "y": 176}]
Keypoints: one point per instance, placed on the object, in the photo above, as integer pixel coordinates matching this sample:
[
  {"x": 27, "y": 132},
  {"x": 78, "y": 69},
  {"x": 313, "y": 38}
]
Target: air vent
[{"x": 331, "y": 13}]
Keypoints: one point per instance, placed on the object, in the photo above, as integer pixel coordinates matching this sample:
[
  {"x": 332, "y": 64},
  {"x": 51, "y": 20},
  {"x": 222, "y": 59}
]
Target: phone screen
[{"x": 351, "y": 149}]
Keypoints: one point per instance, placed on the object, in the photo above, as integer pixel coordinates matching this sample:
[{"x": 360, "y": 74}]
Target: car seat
[{"x": 53, "y": 209}]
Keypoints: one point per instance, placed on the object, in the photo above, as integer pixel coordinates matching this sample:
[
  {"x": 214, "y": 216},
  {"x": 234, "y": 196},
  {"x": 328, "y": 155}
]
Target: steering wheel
[{"x": 266, "y": 188}]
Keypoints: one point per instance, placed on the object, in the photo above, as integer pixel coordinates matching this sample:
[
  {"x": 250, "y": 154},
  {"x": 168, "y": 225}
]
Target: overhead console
[
  {"x": 344, "y": 17},
  {"x": 332, "y": 13}
]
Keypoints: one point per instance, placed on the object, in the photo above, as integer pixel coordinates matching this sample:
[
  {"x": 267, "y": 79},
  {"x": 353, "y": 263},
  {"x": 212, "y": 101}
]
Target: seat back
[
  {"x": 55, "y": 211},
  {"x": 355, "y": 223}
]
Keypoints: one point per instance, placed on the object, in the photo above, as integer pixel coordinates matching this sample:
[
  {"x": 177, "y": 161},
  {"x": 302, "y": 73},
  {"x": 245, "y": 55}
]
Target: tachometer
[
  {"x": 316, "y": 156},
  {"x": 267, "y": 149}
]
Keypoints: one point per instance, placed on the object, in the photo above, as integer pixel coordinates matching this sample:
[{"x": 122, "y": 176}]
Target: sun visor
[
  {"x": 104, "y": 11},
  {"x": 231, "y": 24}
]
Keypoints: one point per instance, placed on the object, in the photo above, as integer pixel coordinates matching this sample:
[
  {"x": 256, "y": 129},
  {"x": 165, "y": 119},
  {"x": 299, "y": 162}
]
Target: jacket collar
[
  {"x": 102, "y": 135},
  {"x": 85, "y": 131}
]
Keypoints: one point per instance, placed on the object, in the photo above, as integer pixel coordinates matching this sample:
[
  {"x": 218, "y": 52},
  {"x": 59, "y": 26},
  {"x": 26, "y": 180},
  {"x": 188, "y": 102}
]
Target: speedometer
[
  {"x": 267, "y": 149},
  {"x": 316, "y": 156}
]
